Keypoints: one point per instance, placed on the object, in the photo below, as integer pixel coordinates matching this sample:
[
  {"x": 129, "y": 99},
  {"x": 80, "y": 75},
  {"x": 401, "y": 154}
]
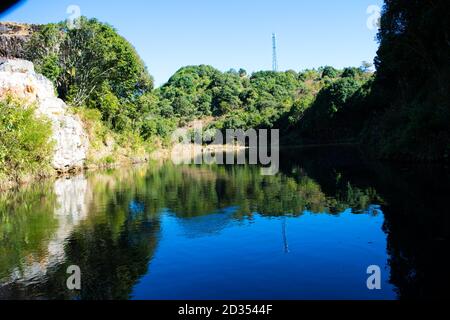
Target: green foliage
[
  {"x": 309, "y": 74},
  {"x": 396, "y": 113},
  {"x": 412, "y": 114},
  {"x": 27, "y": 223},
  {"x": 50, "y": 67},
  {"x": 234, "y": 98},
  {"x": 277, "y": 89},
  {"x": 44, "y": 43},
  {"x": 350, "y": 72},
  {"x": 226, "y": 93},
  {"x": 94, "y": 66},
  {"x": 333, "y": 98},
  {"x": 25, "y": 146},
  {"x": 403, "y": 110},
  {"x": 108, "y": 147},
  {"x": 366, "y": 66},
  {"x": 158, "y": 127},
  {"x": 329, "y": 72},
  {"x": 334, "y": 114},
  {"x": 299, "y": 108},
  {"x": 264, "y": 99},
  {"x": 190, "y": 92}
]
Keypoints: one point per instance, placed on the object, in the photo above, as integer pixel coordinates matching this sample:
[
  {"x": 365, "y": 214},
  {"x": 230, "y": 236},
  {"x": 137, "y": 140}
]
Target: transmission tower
[{"x": 274, "y": 53}]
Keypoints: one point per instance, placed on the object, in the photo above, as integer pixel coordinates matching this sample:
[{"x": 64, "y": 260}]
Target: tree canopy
[
  {"x": 397, "y": 111},
  {"x": 92, "y": 65},
  {"x": 413, "y": 72}
]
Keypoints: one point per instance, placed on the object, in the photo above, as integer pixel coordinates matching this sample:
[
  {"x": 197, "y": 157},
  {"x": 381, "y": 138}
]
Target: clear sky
[{"x": 169, "y": 34}]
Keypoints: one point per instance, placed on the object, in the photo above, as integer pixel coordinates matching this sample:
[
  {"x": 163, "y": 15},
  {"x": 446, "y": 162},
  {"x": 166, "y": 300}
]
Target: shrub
[
  {"x": 25, "y": 146},
  {"x": 329, "y": 72}
]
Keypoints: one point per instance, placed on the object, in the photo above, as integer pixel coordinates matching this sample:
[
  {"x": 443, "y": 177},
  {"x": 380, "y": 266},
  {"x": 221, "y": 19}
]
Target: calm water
[{"x": 216, "y": 232}]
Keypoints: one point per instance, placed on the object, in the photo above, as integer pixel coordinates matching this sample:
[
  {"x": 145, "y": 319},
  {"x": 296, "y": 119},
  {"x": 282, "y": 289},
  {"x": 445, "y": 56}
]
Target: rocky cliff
[
  {"x": 13, "y": 38},
  {"x": 18, "y": 78}
]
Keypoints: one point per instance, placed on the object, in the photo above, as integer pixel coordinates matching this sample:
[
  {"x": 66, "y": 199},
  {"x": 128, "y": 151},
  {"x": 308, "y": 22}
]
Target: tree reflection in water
[{"x": 109, "y": 223}]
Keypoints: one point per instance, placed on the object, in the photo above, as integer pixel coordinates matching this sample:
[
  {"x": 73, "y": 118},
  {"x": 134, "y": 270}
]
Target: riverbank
[
  {"x": 123, "y": 160},
  {"x": 28, "y": 179}
]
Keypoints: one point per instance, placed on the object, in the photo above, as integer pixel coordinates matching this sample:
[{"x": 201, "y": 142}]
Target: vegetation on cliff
[
  {"x": 25, "y": 146},
  {"x": 108, "y": 147},
  {"x": 93, "y": 66}
]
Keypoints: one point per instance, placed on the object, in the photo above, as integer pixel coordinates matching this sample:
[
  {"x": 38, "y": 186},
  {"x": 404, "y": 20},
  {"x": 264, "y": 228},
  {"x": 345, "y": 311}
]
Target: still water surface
[{"x": 226, "y": 232}]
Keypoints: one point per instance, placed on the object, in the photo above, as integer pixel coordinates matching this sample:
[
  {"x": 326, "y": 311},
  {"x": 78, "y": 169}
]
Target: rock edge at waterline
[{"x": 19, "y": 80}]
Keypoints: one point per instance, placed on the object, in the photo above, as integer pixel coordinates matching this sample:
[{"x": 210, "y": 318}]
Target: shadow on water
[
  {"x": 415, "y": 206},
  {"x": 120, "y": 226}
]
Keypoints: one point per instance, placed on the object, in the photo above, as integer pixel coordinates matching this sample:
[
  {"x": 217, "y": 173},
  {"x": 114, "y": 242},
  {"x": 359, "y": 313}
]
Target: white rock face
[
  {"x": 18, "y": 78},
  {"x": 73, "y": 197}
]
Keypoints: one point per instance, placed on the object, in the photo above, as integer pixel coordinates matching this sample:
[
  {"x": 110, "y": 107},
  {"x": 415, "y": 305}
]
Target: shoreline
[
  {"x": 164, "y": 154},
  {"x": 159, "y": 155},
  {"x": 6, "y": 185}
]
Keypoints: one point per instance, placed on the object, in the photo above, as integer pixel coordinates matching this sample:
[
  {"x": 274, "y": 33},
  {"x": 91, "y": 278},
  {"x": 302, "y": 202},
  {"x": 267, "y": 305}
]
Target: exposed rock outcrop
[
  {"x": 18, "y": 78},
  {"x": 13, "y": 38}
]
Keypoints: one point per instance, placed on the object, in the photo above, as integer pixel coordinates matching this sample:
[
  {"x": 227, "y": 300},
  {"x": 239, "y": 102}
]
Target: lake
[{"x": 162, "y": 231}]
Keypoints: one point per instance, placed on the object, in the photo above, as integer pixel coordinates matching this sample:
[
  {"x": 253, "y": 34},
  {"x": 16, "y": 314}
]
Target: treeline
[
  {"x": 401, "y": 111},
  {"x": 238, "y": 100},
  {"x": 93, "y": 67},
  {"x": 100, "y": 75}
]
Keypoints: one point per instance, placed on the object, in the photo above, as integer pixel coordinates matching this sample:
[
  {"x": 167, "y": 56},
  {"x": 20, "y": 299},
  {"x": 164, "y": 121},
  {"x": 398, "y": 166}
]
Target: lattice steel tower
[{"x": 274, "y": 53}]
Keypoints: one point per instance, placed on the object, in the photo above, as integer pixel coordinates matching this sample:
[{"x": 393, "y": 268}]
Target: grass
[{"x": 108, "y": 147}]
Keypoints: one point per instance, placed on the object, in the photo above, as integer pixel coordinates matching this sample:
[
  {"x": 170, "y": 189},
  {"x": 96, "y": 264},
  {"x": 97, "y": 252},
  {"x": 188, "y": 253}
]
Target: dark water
[{"x": 226, "y": 232}]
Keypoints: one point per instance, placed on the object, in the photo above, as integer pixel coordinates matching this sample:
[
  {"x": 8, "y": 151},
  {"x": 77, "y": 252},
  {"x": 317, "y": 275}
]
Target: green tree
[
  {"x": 89, "y": 62},
  {"x": 329, "y": 72}
]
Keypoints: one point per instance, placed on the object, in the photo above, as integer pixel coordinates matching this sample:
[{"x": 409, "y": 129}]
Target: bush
[
  {"x": 95, "y": 128},
  {"x": 25, "y": 146},
  {"x": 158, "y": 127},
  {"x": 329, "y": 72}
]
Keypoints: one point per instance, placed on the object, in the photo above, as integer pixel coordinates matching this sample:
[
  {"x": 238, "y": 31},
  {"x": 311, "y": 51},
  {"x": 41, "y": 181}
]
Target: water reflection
[
  {"x": 161, "y": 231},
  {"x": 80, "y": 221}
]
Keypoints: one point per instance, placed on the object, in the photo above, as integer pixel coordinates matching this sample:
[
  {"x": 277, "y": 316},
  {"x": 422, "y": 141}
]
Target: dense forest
[
  {"x": 410, "y": 106},
  {"x": 95, "y": 68},
  {"x": 398, "y": 111}
]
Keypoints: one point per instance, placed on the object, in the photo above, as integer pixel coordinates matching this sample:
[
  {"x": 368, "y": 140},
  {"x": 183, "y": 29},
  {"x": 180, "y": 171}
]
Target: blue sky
[{"x": 169, "y": 34}]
